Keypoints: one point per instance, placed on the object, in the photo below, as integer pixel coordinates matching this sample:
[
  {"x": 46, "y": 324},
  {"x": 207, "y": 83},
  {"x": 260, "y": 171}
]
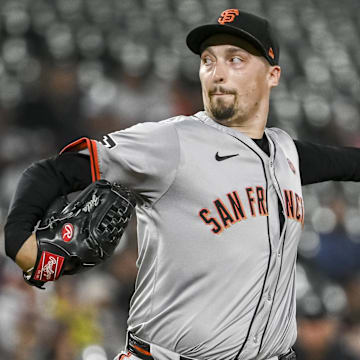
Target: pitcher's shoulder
[
  {"x": 282, "y": 138},
  {"x": 181, "y": 121},
  {"x": 160, "y": 125},
  {"x": 278, "y": 132}
]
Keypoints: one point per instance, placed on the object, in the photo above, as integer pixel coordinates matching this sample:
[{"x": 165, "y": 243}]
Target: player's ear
[{"x": 274, "y": 75}]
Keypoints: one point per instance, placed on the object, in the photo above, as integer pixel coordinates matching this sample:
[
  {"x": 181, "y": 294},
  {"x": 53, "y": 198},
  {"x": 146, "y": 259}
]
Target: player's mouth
[{"x": 220, "y": 94}]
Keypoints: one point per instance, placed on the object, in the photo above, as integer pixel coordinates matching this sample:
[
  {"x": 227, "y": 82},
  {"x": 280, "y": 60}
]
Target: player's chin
[{"x": 223, "y": 112}]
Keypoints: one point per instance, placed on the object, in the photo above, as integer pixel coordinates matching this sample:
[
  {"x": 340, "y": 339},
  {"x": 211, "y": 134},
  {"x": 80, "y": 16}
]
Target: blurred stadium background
[{"x": 71, "y": 68}]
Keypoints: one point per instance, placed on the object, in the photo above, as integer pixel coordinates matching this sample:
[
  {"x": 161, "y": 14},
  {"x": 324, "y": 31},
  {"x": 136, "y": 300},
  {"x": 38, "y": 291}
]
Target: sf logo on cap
[{"x": 228, "y": 16}]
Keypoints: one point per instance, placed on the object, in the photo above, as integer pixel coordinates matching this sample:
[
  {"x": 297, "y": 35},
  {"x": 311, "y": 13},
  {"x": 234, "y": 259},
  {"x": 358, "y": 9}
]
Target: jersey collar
[{"x": 204, "y": 118}]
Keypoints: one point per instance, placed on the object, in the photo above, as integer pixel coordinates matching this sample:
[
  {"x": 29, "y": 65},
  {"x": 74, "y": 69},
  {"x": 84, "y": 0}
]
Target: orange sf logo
[
  {"x": 271, "y": 53},
  {"x": 228, "y": 16}
]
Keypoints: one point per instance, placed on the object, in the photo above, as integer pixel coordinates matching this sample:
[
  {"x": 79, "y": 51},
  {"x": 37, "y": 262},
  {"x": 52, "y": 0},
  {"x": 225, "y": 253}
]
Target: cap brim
[{"x": 198, "y": 35}]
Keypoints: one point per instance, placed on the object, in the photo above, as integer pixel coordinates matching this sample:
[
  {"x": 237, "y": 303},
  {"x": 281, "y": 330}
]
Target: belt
[{"x": 141, "y": 349}]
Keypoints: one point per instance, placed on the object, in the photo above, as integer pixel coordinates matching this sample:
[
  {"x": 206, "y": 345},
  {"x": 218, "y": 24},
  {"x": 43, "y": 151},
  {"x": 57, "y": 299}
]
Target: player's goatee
[
  {"x": 221, "y": 112},
  {"x": 219, "y": 108}
]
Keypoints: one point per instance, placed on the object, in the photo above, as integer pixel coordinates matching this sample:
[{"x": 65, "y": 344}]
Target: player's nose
[{"x": 219, "y": 73}]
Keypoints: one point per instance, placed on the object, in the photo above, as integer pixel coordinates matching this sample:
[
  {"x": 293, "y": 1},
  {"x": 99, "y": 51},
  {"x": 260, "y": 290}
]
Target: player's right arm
[
  {"x": 144, "y": 158},
  {"x": 39, "y": 185}
]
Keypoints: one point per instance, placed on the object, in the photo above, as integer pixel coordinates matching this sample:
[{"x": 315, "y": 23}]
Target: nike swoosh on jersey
[{"x": 221, "y": 158}]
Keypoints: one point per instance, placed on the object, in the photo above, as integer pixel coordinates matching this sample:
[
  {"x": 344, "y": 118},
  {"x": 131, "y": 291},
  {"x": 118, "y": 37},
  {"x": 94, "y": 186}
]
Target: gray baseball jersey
[{"x": 216, "y": 274}]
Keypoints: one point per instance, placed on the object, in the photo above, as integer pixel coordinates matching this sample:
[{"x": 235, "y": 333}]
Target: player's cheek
[
  {"x": 205, "y": 91},
  {"x": 201, "y": 72}
]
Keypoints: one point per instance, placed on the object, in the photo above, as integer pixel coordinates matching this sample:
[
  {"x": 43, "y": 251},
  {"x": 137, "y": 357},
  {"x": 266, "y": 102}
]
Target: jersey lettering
[
  {"x": 237, "y": 206},
  {"x": 251, "y": 199},
  {"x": 261, "y": 196},
  {"x": 294, "y": 205},
  {"x": 224, "y": 213},
  {"x": 217, "y": 228},
  {"x": 289, "y": 202},
  {"x": 231, "y": 210}
]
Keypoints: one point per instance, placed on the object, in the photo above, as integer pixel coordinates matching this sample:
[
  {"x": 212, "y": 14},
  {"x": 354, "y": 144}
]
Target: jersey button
[
  {"x": 269, "y": 297},
  {"x": 255, "y": 339}
]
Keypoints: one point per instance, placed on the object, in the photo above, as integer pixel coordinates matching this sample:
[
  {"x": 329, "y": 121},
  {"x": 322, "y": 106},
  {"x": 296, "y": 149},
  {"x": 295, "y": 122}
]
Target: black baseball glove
[{"x": 78, "y": 235}]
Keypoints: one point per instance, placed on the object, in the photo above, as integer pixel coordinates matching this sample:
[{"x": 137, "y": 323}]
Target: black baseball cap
[{"x": 255, "y": 29}]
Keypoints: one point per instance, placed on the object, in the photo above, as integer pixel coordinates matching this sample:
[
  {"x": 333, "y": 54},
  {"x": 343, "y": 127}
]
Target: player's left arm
[{"x": 320, "y": 163}]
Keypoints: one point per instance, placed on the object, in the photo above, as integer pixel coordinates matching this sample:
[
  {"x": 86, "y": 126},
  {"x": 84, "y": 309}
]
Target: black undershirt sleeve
[
  {"x": 38, "y": 187},
  {"x": 320, "y": 163}
]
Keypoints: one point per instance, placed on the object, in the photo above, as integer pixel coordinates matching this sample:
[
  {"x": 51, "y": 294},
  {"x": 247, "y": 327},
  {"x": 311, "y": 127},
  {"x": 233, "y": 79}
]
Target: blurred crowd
[{"x": 72, "y": 68}]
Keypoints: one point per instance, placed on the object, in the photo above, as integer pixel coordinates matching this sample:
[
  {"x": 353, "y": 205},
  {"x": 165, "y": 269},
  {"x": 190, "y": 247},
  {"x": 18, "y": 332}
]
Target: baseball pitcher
[{"x": 219, "y": 208}]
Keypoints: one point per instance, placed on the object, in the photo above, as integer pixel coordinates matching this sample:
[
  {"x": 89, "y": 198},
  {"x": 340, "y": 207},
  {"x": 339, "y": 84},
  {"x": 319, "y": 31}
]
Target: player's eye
[
  {"x": 236, "y": 60},
  {"x": 206, "y": 60}
]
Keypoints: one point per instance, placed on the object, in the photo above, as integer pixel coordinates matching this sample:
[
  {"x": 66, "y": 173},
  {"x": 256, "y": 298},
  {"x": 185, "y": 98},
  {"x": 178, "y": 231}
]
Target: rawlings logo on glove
[
  {"x": 49, "y": 267},
  {"x": 79, "y": 235},
  {"x": 67, "y": 232}
]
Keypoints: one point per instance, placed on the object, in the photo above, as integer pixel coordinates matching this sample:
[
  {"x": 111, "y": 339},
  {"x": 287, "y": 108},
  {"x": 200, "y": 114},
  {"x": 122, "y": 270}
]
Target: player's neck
[
  {"x": 252, "y": 127},
  {"x": 252, "y": 130},
  {"x": 252, "y": 124}
]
